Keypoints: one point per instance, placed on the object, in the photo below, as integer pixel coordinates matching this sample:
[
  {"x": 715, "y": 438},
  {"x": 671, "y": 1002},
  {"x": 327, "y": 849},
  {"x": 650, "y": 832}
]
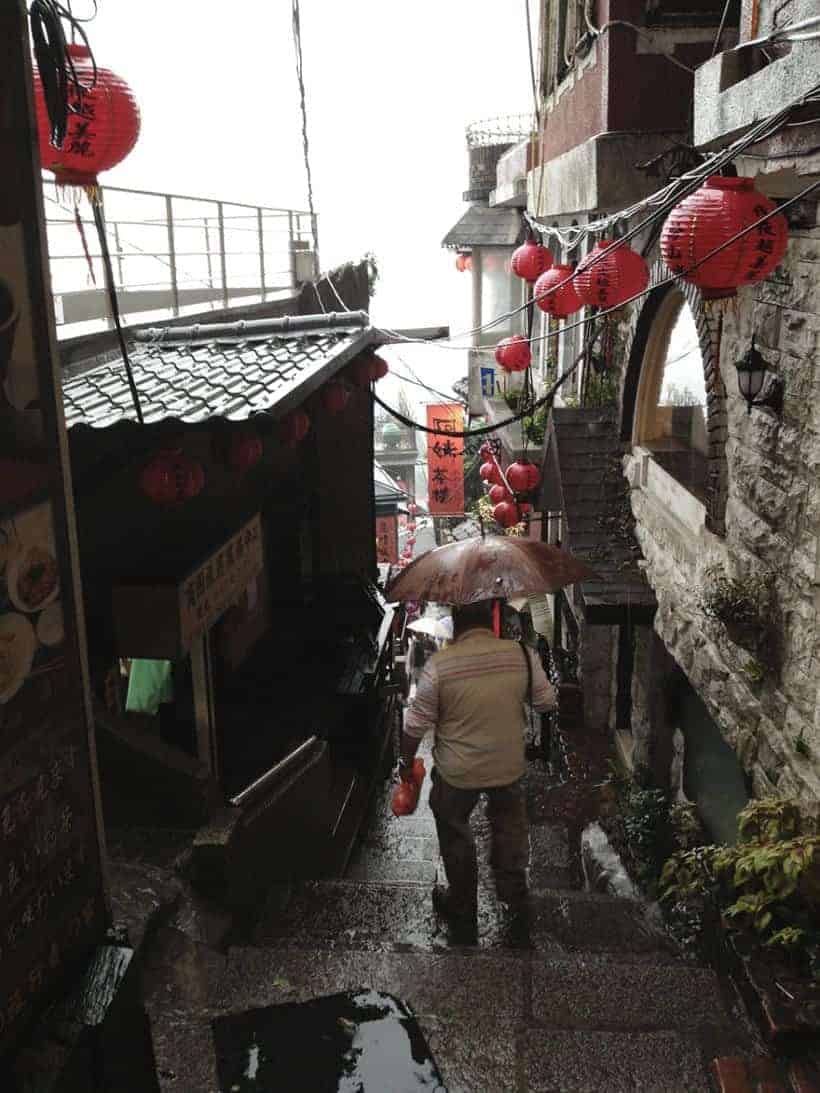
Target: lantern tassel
[{"x": 78, "y": 220}]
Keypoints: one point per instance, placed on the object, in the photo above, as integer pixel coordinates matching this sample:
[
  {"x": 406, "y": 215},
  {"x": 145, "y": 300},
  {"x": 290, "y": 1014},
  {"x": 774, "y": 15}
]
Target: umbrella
[
  {"x": 498, "y": 566},
  {"x": 436, "y": 628}
]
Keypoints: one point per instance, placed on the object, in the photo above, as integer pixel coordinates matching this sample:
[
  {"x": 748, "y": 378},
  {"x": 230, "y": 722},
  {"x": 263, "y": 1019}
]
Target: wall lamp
[{"x": 753, "y": 376}]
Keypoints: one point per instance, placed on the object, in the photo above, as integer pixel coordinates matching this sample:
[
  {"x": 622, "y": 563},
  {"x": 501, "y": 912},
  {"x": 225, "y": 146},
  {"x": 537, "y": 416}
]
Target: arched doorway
[{"x": 670, "y": 406}]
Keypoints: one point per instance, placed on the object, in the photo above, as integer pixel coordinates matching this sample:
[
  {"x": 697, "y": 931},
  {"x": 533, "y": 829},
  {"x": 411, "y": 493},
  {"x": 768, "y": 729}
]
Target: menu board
[{"x": 52, "y": 910}]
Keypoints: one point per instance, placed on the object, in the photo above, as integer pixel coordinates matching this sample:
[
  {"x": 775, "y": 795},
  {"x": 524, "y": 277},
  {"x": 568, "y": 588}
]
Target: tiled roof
[
  {"x": 482, "y": 226},
  {"x": 209, "y": 377},
  {"x": 586, "y": 481},
  {"x": 385, "y": 487}
]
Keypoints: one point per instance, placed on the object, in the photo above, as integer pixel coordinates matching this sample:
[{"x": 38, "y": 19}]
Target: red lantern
[
  {"x": 489, "y": 472},
  {"x": 334, "y": 396},
  {"x": 360, "y": 373},
  {"x": 711, "y": 216},
  {"x": 486, "y": 449},
  {"x": 412, "y": 509},
  {"x": 461, "y": 263},
  {"x": 506, "y": 514},
  {"x": 525, "y": 508},
  {"x": 244, "y": 450},
  {"x": 513, "y": 354},
  {"x": 499, "y": 493},
  {"x": 468, "y": 262},
  {"x": 378, "y": 368},
  {"x": 100, "y": 135},
  {"x": 295, "y": 427},
  {"x": 523, "y": 477},
  {"x": 171, "y": 478},
  {"x": 610, "y": 274},
  {"x": 411, "y": 540},
  {"x": 530, "y": 260},
  {"x": 557, "y": 301}
]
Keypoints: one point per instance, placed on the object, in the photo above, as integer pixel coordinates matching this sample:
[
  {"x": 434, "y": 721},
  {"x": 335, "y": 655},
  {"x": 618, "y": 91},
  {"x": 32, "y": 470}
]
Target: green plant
[
  {"x": 801, "y": 745},
  {"x": 754, "y": 671},
  {"x": 769, "y": 819},
  {"x": 686, "y": 826},
  {"x": 646, "y": 822},
  {"x": 535, "y": 426},
  {"x": 744, "y": 607},
  {"x": 767, "y": 885}
]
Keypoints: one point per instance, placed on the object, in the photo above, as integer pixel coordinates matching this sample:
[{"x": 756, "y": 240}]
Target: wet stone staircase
[{"x": 596, "y": 998}]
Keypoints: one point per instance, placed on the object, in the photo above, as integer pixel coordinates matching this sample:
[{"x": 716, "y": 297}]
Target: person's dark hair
[{"x": 472, "y": 615}]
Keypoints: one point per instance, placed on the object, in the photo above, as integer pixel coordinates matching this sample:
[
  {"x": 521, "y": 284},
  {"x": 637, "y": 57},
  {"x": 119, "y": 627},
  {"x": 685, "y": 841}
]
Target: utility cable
[
  {"x": 297, "y": 42},
  {"x": 112, "y": 300},
  {"x": 672, "y": 279}
]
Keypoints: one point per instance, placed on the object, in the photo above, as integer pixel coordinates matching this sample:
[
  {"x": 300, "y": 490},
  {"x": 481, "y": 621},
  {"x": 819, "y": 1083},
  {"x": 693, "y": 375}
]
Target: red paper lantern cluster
[
  {"x": 506, "y": 514},
  {"x": 100, "y": 135},
  {"x": 530, "y": 260},
  {"x": 243, "y": 451},
  {"x": 611, "y": 274},
  {"x": 171, "y": 478},
  {"x": 523, "y": 477},
  {"x": 295, "y": 427},
  {"x": 490, "y": 473},
  {"x": 514, "y": 354},
  {"x": 335, "y": 396},
  {"x": 464, "y": 263},
  {"x": 708, "y": 219},
  {"x": 412, "y": 509},
  {"x": 555, "y": 293}
]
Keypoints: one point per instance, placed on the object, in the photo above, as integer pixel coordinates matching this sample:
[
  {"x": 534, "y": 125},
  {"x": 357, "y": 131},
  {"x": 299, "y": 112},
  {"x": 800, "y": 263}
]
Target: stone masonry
[{"x": 771, "y": 530}]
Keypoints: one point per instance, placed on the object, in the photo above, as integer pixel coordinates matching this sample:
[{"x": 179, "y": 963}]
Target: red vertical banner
[
  {"x": 387, "y": 539},
  {"x": 445, "y": 460}
]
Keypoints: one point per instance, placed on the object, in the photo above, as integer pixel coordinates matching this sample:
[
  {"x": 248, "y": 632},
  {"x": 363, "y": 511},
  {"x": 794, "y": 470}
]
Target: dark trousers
[{"x": 507, "y": 812}]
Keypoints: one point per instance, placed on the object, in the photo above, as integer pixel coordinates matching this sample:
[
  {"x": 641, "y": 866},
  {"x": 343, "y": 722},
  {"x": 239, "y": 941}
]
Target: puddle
[
  {"x": 603, "y": 869},
  {"x": 354, "y": 1042}
]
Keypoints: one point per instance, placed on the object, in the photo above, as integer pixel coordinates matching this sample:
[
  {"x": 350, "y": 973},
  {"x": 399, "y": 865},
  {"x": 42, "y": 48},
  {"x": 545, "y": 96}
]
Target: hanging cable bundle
[{"x": 63, "y": 89}]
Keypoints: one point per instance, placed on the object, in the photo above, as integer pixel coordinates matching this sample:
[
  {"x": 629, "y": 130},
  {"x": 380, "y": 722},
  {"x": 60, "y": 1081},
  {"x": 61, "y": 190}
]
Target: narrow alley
[{"x": 597, "y": 998}]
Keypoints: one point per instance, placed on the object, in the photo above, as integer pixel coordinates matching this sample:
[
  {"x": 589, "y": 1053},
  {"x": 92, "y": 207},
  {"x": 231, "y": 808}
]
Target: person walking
[{"x": 471, "y": 696}]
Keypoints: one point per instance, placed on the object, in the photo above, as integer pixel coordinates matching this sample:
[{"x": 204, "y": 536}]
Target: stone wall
[{"x": 772, "y": 528}]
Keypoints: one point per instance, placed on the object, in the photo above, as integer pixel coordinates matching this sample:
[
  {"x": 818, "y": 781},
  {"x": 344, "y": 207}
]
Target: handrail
[{"x": 224, "y": 258}]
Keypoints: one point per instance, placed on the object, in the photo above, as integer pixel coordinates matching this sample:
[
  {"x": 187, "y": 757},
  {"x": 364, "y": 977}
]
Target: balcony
[{"x": 172, "y": 255}]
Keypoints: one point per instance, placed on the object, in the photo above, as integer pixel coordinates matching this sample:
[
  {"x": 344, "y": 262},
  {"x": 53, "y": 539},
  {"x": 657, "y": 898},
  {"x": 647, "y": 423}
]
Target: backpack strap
[{"x": 528, "y": 663}]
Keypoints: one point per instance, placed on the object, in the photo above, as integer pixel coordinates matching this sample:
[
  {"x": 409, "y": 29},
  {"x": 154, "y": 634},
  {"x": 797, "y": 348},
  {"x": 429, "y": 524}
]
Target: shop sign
[
  {"x": 487, "y": 381},
  {"x": 387, "y": 539},
  {"x": 445, "y": 460},
  {"x": 219, "y": 582}
]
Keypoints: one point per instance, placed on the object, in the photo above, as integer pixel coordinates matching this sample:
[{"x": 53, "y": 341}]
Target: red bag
[{"x": 406, "y": 794}]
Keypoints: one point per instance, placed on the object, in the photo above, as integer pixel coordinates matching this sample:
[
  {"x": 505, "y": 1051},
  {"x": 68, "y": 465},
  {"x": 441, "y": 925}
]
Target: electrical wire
[
  {"x": 62, "y": 88},
  {"x": 671, "y": 279},
  {"x": 297, "y": 43},
  {"x": 723, "y": 19},
  {"x": 115, "y": 310}
]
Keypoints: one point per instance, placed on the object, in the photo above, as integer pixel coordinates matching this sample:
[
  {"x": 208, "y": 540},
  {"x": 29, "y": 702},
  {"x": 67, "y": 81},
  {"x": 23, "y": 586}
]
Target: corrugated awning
[
  {"x": 483, "y": 226},
  {"x": 233, "y": 374}
]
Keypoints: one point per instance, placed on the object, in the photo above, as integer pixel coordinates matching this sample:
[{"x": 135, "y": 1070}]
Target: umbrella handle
[{"x": 497, "y": 618}]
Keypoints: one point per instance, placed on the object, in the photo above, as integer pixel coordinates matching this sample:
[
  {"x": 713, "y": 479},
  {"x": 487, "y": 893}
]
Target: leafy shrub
[{"x": 744, "y": 607}]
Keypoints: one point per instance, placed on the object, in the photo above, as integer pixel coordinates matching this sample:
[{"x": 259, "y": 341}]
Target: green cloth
[{"x": 149, "y": 685}]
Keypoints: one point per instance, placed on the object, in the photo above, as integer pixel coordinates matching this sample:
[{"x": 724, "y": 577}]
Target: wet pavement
[{"x": 595, "y": 997}]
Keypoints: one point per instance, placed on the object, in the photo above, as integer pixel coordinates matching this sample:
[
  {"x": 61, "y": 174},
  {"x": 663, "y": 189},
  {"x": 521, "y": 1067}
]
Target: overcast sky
[{"x": 390, "y": 89}]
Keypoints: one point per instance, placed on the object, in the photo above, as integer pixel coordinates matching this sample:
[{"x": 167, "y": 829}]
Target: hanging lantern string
[
  {"x": 55, "y": 64},
  {"x": 601, "y": 315},
  {"x": 99, "y": 222},
  {"x": 660, "y": 202},
  {"x": 297, "y": 44}
]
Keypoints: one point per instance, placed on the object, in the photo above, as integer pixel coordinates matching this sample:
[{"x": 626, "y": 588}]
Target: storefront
[{"x": 250, "y": 607}]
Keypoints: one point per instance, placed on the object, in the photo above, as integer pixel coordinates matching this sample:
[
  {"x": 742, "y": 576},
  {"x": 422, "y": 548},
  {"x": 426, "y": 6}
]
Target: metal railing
[
  {"x": 172, "y": 254},
  {"x": 506, "y": 129}
]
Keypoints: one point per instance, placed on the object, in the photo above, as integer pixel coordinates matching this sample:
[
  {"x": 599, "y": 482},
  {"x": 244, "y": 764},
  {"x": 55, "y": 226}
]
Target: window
[{"x": 670, "y": 417}]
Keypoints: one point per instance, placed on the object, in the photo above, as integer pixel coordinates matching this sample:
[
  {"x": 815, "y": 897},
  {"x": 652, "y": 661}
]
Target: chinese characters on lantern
[{"x": 445, "y": 459}]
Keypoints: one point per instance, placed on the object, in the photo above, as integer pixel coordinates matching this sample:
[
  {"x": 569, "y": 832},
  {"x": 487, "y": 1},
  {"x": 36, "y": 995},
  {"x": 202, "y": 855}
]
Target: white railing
[{"x": 172, "y": 254}]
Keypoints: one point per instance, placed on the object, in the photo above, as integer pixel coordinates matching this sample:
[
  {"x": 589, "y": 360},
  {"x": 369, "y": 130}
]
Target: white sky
[{"x": 390, "y": 86}]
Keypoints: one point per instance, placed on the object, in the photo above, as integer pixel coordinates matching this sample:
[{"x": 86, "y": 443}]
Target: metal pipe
[
  {"x": 255, "y": 789},
  {"x": 222, "y": 260},
  {"x": 261, "y": 250},
  {"x": 286, "y": 324},
  {"x": 172, "y": 256}
]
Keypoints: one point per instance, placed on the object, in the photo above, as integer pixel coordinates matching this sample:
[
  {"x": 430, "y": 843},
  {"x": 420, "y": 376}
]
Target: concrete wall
[{"x": 772, "y": 528}]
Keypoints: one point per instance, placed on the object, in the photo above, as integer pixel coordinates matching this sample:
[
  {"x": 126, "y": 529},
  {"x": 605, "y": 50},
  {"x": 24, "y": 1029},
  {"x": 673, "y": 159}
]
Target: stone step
[
  {"x": 374, "y": 916},
  {"x": 569, "y": 1023}
]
